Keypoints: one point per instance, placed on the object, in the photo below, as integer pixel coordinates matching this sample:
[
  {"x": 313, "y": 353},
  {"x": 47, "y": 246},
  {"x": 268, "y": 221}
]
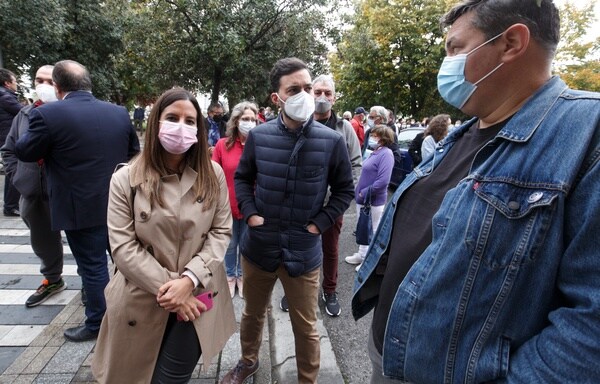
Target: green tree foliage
[
  {"x": 391, "y": 57},
  {"x": 224, "y": 47},
  {"x": 578, "y": 57},
  {"x": 38, "y": 32},
  {"x": 29, "y": 30}
]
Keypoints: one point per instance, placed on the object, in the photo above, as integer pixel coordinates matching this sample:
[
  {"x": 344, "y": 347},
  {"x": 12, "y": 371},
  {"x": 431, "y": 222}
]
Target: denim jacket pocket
[{"x": 520, "y": 213}]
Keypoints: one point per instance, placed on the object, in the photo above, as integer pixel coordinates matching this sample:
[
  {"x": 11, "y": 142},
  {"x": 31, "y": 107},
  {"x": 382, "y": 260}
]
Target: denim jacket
[{"x": 509, "y": 288}]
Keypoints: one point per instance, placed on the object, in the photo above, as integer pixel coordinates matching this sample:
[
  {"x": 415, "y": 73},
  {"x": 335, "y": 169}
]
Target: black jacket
[
  {"x": 9, "y": 107},
  {"x": 283, "y": 176}
]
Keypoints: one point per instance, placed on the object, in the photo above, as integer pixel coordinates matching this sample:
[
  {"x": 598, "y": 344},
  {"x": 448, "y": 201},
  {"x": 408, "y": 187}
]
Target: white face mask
[
  {"x": 370, "y": 122},
  {"x": 246, "y": 126},
  {"x": 299, "y": 107},
  {"x": 45, "y": 92}
]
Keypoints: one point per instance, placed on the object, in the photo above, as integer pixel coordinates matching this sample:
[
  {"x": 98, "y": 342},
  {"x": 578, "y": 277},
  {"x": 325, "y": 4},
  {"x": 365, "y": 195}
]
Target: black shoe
[
  {"x": 332, "y": 306},
  {"x": 80, "y": 333},
  {"x": 12, "y": 213},
  {"x": 83, "y": 297},
  {"x": 44, "y": 292},
  {"x": 283, "y": 304}
]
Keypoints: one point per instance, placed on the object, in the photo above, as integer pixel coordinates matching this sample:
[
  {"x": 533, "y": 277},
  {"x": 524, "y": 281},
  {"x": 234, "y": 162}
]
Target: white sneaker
[
  {"x": 358, "y": 267},
  {"x": 354, "y": 259}
]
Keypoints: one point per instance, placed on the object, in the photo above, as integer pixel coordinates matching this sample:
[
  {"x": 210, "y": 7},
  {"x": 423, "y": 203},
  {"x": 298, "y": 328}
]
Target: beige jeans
[{"x": 302, "y": 295}]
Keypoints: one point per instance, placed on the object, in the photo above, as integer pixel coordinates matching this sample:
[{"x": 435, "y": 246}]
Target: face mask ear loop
[
  {"x": 486, "y": 76},
  {"x": 484, "y": 43}
]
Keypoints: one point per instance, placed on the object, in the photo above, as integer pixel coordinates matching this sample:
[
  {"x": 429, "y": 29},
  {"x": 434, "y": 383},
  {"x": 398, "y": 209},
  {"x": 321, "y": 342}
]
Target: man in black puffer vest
[{"x": 281, "y": 182}]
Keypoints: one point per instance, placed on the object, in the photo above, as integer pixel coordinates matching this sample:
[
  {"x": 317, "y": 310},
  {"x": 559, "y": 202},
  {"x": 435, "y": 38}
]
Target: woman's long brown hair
[{"x": 151, "y": 166}]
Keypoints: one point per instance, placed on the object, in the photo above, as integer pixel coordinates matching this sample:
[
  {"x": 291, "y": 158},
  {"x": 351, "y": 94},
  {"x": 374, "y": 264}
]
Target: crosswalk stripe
[
  {"x": 19, "y": 296},
  {"x": 14, "y": 232},
  {"x": 25, "y": 248},
  {"x": 19, "y": 335},
  {"x": 33, "y": 269}
]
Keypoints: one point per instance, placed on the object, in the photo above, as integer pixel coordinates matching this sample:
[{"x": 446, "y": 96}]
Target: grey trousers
[
  {"x": 46, "y": 243},
  {"x": 377, "y": 364}
]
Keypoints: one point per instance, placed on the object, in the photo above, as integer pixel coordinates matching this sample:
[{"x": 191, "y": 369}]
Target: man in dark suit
[{"x": 81, "y": 140}]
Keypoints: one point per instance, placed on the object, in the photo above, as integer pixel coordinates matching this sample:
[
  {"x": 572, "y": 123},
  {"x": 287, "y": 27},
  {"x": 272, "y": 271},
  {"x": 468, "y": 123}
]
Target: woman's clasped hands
[{"x": 176, "y": 296}]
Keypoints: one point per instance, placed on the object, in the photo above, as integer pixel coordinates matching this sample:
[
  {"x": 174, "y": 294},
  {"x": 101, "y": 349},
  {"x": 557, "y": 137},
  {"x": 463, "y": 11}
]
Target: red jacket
[
  {"x": 228, "y": 159},
  {"x": 359, "y": 128}
]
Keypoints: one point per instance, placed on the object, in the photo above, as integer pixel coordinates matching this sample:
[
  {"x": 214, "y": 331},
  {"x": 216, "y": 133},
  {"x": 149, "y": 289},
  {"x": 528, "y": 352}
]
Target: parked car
[{"x": 407, "y": 135}]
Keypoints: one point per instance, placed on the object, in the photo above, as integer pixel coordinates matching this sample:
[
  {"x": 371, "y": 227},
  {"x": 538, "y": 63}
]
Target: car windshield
[{"x": 407, "y": 135}]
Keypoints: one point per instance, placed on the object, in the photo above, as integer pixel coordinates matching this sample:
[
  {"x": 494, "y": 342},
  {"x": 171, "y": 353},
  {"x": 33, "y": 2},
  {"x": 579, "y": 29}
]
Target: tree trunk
[{"x": 217, "y": 79}]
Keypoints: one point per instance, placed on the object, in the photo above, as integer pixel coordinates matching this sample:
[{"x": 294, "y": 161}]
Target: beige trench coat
[{"x": 160, "y": 244}]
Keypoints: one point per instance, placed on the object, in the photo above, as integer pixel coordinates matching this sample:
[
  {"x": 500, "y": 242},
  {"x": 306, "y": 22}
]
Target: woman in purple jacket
[{"x": 376, "y": 173}]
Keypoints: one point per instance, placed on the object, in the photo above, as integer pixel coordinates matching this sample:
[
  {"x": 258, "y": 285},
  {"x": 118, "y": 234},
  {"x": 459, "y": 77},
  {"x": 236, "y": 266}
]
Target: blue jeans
[
  {"x": 233, "y": 264},
  {"x": 89, "y": 250}
]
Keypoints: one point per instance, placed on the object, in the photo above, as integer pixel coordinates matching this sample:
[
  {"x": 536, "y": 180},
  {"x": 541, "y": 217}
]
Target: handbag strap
[{"x": 368, "y": 197}]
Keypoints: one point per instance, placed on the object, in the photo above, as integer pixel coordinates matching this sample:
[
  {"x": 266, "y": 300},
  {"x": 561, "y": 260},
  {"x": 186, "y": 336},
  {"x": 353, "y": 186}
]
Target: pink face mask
[{"x": 177, "y": 138}]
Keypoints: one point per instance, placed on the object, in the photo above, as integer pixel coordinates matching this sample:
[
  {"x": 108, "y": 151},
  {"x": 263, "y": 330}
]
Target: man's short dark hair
[
  {"x": 215, "y": 105},
  {"x": 285, "y": 67},
  {"x": 69, "y": 76},
  {"x": 493, "y": 17},
  {"x": 6, "y": 76}
]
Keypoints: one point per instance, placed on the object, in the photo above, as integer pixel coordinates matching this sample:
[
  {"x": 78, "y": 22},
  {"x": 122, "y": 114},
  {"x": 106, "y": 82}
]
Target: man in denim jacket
[{"x": 486, "y": 264}]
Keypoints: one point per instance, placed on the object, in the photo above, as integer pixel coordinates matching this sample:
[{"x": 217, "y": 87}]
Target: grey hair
[
  {"x": 327, "y": 79},
  {"x": 381, "y": 112}
]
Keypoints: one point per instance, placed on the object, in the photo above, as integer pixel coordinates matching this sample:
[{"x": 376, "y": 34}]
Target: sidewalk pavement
[{"x": 52, "y": 359}]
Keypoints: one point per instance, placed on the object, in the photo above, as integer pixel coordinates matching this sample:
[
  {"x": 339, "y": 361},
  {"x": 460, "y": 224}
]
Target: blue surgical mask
[
  {"x": 373, "y": 143},
  {"x": 370, "y": 122},
  {"x": 452, "y": 84}
]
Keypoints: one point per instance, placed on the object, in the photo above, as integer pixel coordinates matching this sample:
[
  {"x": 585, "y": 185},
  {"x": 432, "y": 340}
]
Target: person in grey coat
[{"x": 29, "y": 178}]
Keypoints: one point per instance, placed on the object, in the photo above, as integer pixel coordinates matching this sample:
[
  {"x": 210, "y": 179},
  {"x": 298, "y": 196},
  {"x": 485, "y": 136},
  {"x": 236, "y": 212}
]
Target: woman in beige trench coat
[{"x": 169, "y": 225}]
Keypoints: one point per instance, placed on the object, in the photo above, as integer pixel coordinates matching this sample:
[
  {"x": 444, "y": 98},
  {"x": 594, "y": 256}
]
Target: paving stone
[
  {"x": 62, "y": 378},
  {"x": 69, "y": 357},
  {"x": 8, "y": 379},
  {"x": 23, "y": 360},
  {"x": 41, "y": 360},
  {"x": 8, "y": 355},
  {"x": 66, "y": 313},
  {"x": 84, "y": 375},
  {"x": 25, "y": 379}
]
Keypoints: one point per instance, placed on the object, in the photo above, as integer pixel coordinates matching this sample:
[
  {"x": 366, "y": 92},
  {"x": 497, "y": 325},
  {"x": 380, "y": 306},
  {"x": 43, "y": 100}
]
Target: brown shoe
[{"x": 240, "y": 373}]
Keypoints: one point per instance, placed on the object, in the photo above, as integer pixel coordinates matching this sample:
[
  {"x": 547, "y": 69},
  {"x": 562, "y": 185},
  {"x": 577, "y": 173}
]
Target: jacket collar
[
  {"x": 526, "y": 121},
  {"x": 304, "y": 129},
  {"x": 79, "y": 95}
]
